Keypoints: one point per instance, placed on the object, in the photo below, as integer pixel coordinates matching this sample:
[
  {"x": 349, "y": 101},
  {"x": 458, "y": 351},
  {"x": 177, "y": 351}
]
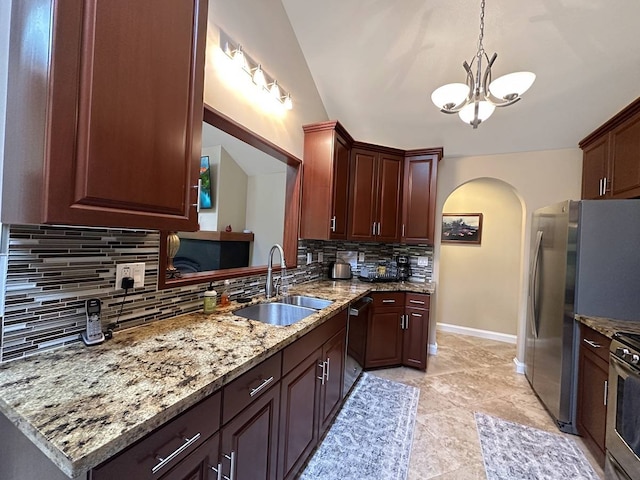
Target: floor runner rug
[
  {"x": 371, "y": 436},
  {"x": 516, "y": 452}
]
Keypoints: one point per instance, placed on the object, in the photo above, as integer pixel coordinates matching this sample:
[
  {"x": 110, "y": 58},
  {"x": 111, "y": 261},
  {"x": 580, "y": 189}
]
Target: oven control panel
[{"x": 624, "y": 354}]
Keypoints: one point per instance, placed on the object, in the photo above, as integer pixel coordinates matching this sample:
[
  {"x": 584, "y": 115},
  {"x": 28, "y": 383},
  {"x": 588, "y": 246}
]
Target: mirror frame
[{"x": 291, "y": 208}]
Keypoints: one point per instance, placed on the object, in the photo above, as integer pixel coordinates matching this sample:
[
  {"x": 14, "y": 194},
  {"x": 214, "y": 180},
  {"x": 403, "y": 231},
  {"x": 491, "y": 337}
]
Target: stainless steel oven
[{"x": 623, "y": 410}]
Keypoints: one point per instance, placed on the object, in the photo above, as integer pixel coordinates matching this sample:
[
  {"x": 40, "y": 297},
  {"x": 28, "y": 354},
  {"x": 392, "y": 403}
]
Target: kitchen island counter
[{"x": 81, "y": 405}]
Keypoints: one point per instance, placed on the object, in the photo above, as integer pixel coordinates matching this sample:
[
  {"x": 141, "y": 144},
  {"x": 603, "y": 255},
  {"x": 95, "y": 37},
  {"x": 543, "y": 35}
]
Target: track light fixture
[{"x": 262, "y": 80}]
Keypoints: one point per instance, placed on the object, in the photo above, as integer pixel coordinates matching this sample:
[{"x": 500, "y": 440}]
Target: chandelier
[{"x": 473, "y": 101}]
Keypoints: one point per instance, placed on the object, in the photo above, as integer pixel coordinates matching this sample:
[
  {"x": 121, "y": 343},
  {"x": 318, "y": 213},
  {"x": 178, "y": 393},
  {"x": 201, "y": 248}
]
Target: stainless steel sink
[
  {"x": 275, "y": 313},
  {"x": 308, "y": 302}
]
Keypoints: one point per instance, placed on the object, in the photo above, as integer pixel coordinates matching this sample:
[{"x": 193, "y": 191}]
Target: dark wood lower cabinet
[
  {"x": 398, "y": 331},
  {"x": 300, "y": 397},
  {"x": 384, "y": 337},
  {"x": 593, "y": 376},
  {"x": 249, "y": 444},
  {"x": 331, "y": 391},
  {"x": 415, "y": 338},
  {"x": 198, "y": 465}
]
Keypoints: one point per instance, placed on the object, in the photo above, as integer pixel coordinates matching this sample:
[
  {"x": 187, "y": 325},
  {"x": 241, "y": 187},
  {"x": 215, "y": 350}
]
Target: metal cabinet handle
[
  {"x": 419, "y": 302},
  {"x": 416, "y": 315},
  {"x": 333, "y": 223},
  {"x": 378, "y": 228},
  {"x": 164, "y": 461},
  {"x": 327, "y": 361},
  {"x": 264, "y": 383},
  {"x": 606, "y": 392},
  {"x": 217, "y": 470},
  {"x": 388, "y": 301},
  {"x": 373, "y": 230},
  {"x": 604, "y": 185},
  {"x": 600, "y": 187},
  {"x": 198, "y": 187},
  {"x": 590, "y": 343},
  {"x": 232, "y": 470},
  {"x": 322, "y": 365},
  {"x": 403, "y": 229}
]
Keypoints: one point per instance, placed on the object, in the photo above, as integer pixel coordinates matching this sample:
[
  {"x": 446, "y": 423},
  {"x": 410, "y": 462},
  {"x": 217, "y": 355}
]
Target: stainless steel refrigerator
[{"x": 585, "y": 259}]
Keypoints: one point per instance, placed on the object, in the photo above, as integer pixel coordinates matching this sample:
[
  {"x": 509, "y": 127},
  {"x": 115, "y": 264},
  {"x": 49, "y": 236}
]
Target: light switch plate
[
  {"x": 133, "y": 270},
  {"x": 423, "y": 261},
  {"x": 309, "y": 258},
  {"x": 320, "y": 257},
  {"x": 361, "y": 257}
]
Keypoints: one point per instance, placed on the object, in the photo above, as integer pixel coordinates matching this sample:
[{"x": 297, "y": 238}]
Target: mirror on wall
[{"x": 251, "y": 190}]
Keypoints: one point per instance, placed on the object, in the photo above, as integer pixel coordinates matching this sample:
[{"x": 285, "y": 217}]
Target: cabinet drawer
[
  {"x": 594, "y": 342},
  {"x": 172, "y": 442},
  {"x": 295, "y": 353},
  {"x": 388, "y": 299},
  {"x": 249, "y": 386},
  {"x": 417, "y": 300}
]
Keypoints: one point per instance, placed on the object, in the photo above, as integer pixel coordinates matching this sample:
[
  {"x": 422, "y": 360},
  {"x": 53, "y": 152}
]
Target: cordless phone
[{"x": 93, "y": 334}]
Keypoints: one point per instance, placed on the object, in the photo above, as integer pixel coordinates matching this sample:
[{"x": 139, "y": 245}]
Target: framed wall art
[
  {"x": 205, "y": 183},
  {"x": 461, "y": 228}
]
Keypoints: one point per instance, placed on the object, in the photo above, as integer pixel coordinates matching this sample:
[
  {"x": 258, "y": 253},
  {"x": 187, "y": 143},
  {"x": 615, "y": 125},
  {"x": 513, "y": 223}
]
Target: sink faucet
[{"x": 268, "y": 289}]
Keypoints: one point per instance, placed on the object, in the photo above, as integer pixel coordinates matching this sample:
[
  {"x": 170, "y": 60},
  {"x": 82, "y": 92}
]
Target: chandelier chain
[{"x": 480, "y": 46}]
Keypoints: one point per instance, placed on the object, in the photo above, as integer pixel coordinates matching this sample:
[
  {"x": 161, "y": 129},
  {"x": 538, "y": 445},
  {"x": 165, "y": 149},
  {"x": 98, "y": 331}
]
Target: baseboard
[
  {"x": 433, "y": 348},
  {"x": 475, "y": 332},
  {"x": 519, "y": 366}
]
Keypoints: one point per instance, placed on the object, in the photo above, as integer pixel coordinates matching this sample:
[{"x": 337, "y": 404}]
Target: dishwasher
[{"x": 356, "y": 342}]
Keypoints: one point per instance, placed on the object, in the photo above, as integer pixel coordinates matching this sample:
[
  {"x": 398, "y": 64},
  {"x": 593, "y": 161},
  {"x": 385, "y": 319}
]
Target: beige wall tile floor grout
[{"x": 468, "y": 374}]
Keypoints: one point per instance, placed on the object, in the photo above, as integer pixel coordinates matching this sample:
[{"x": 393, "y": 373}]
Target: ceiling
[{"x": 376, "y": 62}]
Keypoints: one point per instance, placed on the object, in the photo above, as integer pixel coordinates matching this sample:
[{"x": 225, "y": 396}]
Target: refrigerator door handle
[{"x": 534, "y": 283}]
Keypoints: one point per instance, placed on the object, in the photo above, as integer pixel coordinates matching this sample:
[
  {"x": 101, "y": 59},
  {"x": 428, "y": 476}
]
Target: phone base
[{"x": 93, "y": 341}]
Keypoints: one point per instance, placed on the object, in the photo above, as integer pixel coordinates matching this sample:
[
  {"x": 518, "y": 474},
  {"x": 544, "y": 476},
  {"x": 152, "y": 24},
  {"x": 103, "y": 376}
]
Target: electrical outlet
[
  {"x": 309, "y": 258},
  {"x": 361, "y": 257},
  {"x": 423, "y": 261},
  {"x": 320, "y": 257},
  {"x": 133, "y": 270}
]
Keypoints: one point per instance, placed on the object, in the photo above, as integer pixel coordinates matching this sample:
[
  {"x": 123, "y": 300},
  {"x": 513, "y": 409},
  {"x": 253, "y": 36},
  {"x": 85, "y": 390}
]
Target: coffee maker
[{"x": 404, "y": 267}]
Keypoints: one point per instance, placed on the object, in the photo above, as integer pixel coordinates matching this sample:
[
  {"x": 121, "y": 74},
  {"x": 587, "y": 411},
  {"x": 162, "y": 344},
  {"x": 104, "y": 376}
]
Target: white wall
[
  {"x": 538, "y": 178},
  {"x": 264, "y": 192},
  {"x": 263, "y": 29},
  {"x": 480, "y": 282},
  {"x": 231, "y": 195}
]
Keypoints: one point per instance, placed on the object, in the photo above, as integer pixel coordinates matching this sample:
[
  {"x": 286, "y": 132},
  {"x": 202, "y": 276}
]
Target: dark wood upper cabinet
[
  {"x": 363, "y": 192},
  {"x": 325, "y": 188},
  {"x": 104, "y": 113},
  {"x": 419, "y": 195},
  {"x": 376, "y": 194},
  {"x": 611, "y": 157}
]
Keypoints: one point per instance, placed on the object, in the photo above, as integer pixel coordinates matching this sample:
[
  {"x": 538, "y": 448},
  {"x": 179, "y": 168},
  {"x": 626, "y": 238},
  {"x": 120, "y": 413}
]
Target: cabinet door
[
  {"x": 331, "y": 392},
  {"x": 415, "y": 338},
  {"x": 299, "y": 406},
  {"x": 384, "y": 337},
  {"x": 119, "y": 144},
  {"x": 389, "y": 198},
  {"x": 250, "y": 441},
  {"x": 595, "y": 159},
  {"x": 419, "y": 199},
  {"x": 340, "y": 203},
  {"x": 625, "y": 157},
  {"x": 363, "y": 198},
  {"x": 199, "y": 465}
]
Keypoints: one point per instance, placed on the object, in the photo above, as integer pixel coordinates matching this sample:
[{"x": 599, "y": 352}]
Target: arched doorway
[{"x": 480, "y": 285}]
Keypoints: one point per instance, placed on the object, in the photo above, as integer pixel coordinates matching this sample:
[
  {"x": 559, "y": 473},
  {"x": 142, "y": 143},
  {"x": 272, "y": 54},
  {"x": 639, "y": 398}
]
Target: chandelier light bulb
[
  {"x": 448, "y": 96},
  {"x": 485, "y": 109},
  {"x": 512, "y": 85},
  {"x": 238, "y": 58}
]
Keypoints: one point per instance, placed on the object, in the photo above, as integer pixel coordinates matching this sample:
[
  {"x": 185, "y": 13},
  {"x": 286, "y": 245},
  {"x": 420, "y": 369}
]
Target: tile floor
[{"x": 468, "y": 374}]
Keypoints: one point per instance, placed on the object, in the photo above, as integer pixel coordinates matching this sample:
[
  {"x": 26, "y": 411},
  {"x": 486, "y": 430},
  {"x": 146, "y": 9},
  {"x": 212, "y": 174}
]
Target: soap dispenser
[
  {"x": 224, "y": 297},
  {"x": 210, "y": 299}
]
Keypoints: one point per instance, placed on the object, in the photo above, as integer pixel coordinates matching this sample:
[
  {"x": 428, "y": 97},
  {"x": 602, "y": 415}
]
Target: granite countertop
[
  {"x": 608, "y": 326},
  {"x": 81, "y": 405}
]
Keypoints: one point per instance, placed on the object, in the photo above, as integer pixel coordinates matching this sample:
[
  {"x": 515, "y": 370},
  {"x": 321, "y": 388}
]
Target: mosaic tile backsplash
[{"x": 52, "y": 271}]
